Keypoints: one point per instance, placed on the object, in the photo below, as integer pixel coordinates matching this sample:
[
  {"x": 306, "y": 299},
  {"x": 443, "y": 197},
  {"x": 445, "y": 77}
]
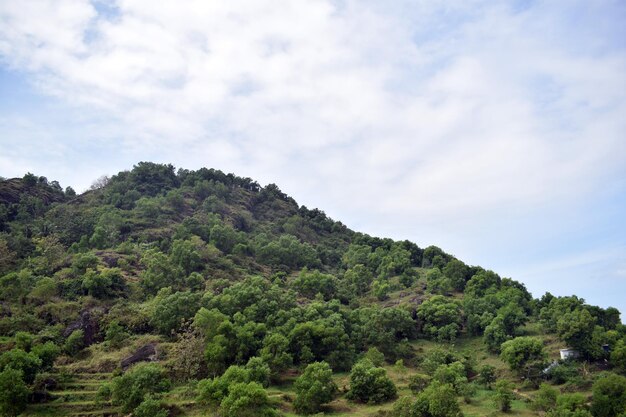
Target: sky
[{"x": 494, "y": 130}]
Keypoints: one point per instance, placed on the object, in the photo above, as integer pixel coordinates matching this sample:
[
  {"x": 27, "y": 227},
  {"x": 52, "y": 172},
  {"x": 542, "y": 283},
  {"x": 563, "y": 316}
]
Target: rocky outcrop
[
  {"x": 88, "y": 323},
  {"x": 146, "y": 353}
]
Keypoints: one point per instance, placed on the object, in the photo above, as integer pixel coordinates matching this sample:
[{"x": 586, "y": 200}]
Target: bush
[
  {"x": 247, "y": 400},
  {"x": 13, "y": 392},
  {"x": 418, "y": 382},
  {"x": 370, "y": 384},
  {"x": 609, "y": 395},
  {"x": 74, "y": 343},
  {"x": 150, "y": 407},
  {"x": 28, "y": 363},
  {"x": 314, "y": 388},
  {"x": 503, "y": 396},
  {"x": 130, "y": 389}
]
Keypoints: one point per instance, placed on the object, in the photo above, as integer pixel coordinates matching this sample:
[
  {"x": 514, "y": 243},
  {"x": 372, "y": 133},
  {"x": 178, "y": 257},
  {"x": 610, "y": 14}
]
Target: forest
[{"x": 171, "y": 292}]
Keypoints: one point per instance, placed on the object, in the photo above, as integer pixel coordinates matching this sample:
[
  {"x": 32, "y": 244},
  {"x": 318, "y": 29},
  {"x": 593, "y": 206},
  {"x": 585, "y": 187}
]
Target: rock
[
  {"x": 88, "y": 323},
  {"x": 146, "y": 353}
]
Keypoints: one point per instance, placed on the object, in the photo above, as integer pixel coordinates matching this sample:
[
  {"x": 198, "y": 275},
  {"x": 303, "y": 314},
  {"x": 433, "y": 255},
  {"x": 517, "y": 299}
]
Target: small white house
[{"x": 569, "y": 354}]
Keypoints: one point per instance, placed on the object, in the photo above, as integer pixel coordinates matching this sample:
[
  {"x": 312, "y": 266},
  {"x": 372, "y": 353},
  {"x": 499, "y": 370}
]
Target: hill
[{"x": 175, "y": 292}]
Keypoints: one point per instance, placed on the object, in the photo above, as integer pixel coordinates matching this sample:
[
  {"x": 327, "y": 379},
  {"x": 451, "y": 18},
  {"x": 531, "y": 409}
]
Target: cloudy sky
[{"x": 495, "y": 130}]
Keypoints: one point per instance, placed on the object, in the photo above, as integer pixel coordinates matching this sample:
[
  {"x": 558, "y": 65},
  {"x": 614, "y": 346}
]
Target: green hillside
[{"x": 163, "y": 292}]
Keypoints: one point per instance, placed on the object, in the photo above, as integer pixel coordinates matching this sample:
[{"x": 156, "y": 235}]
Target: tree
[
  {"x": 524, "y": 355},
  {"x": 27, "y": 363},
  {"x": 545, "y": 399},
  {"x": 618, "y": 355},
  {"x": 75, "y": 342},
  {"x": 150, "y": 407},
  {"x": 441, "y": 318},
  {"x": 172, "y": 309},
  {"x": 437, "y": 400},
  {"x": 130, "y": 389},
  {"x": 116, "y": 335},
  {"x": 313, "y": 388},
  {"x": 275, "y": 353},
  {"x": 609, "y": 396},
  {"x": 503, "y": 395},
  {"x": 247, "y": 400},
  {"x": 418, "y": 382},
  {"x": 13, "y": 392},
  {"x": 495, "y": 334},
  {"x": 576, "y": 329},
  {"x": 457, "y": 272},
  {"x": 370, "y": 384},
  {"x": 487, "y": 375}
]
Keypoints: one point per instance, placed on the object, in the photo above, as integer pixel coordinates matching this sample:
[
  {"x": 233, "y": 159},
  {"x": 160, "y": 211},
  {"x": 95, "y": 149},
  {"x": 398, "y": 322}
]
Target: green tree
[
  {"x": 503, "y": 395},
  {"x": 487, "y": 375},
  {"x": 441, "y": 318},
  {"x": 150, "y": 407},
  {"x": 275, "y": 353},
  {"x": 74, "y": 343},
  {"x": 609, "y": 396},
  {"x": 545, "y": 399},
  {"x": 130, "y": 389},
  {"x": 525, "y": 355},
  {"x": 116, "y": 335},
  {"x": 172, "y": 309},
  {"x": 313, "y": 388},
  {"x": 437, "y": 400},
  {"x": 28, "y": 363},
  {"x": 13, "y": 392},
  {"x": 247, "y": 400},
  {"x": 576, "y": 329},
  {"x": 370, "y": 384}
]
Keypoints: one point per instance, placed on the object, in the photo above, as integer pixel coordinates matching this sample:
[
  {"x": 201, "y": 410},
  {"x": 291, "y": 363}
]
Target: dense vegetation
[{"x": 161, "y": 292}]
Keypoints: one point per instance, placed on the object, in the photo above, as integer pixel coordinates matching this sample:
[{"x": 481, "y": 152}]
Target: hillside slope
[{"x": 163, "y": 292}]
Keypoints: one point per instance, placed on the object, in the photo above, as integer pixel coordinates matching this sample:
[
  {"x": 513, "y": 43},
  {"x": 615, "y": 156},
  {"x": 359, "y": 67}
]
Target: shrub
[
  {"x": 314, "y": 388},
  {"x": 370, "y": 384}
]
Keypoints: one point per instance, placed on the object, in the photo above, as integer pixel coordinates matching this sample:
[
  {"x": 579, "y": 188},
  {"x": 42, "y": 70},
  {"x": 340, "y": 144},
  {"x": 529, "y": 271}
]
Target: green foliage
[
  {"x": 150, "y": 407},
  {"x": 503, "y": 395},
  {"x": 418, "y": 382},
  {"x": 13, "y": 392},
  {"x": 487, "y": 375},
  {"x": 259, "y": 371},
  {"x": 275, "y": 353},
  {"x": 23, "y": 340},
  {"x": 437, "y": 400},
  {"x": 370, "y": 384},
  {"x": 375, "y": 356},
  {"x": 576, "y": 329},
  {"x": 172, "y": 310},
  {"x": 104, "y": 283},
  {"x": 74, "y": 343},
  {"x": 360, "y": 278},
  {"x": 618, "y": 356},
  {"x": 609, "y": 396},
  {"x": 130, "y": 389},
  {"x": 313, "y": 388},
  {"x": 27, "y": 363},
  {"x": 524, "y": 355},
  {"x": 545, "y": 399},
  {"x": 309, "y": 283},
  {"x": 247, "y": 400},
  {"x": 116, "y": 335},
  {"x": 441, "y": 318},
  {"x": 495, "y": 334},
  {"x": 47, "y": 353},
  {"x": 453, "y": 374}
]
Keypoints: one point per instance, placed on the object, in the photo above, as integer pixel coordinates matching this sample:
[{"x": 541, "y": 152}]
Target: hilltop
[{"x": 176, "y": 292}]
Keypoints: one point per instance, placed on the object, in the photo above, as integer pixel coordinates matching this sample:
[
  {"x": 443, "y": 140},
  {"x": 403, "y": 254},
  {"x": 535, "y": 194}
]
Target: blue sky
[{"x": 495, "y": 130}]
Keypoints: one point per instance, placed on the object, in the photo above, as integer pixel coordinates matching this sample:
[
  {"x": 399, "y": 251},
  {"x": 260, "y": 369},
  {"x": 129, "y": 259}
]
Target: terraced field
[{"x": 75, "y": 395}]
